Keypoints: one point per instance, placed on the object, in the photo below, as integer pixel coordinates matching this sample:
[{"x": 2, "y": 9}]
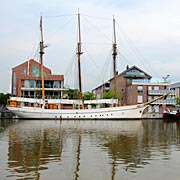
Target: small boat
[
  {"x": 167, "y": 114},
  {"x": 32, "y": 108}
]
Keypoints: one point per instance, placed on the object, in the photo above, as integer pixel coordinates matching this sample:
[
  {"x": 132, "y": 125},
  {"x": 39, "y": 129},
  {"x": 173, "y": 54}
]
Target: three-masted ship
[{"x": 52, "y": 108}]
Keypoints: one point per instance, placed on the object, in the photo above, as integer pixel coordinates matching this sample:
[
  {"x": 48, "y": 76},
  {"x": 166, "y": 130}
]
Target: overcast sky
[{"x": 148, "y": 36}]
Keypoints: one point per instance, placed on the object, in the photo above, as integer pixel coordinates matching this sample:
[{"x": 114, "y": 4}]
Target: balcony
[
  {"x": 39, "y": 89},
  {"x": 165, "y": 101},
  {"x": 160, "y": 92}
]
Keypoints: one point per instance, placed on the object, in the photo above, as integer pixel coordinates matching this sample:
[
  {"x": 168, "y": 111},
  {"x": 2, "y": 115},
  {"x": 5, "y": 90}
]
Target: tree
[
  {"x": 178, "y": 100},
  {"x": 89, "y": 96},
  {"x": 110, "y": 94},
  {"x": 72, "y": 94},
  {"x": 4, "y": 98}
]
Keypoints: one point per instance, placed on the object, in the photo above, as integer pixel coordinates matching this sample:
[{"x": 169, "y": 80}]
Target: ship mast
[
  {"x": 79, "y": 53},
  {"x": 114, "y": 54},
  {"x": 41, "y": 52}
]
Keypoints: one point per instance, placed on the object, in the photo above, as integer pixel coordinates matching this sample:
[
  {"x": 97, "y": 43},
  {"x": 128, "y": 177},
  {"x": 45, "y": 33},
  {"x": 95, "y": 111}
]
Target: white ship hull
[{"x": 122, "y": 112}]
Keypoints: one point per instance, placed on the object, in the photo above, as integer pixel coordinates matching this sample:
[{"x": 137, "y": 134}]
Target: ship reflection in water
[{"x": 148, "y": 149}]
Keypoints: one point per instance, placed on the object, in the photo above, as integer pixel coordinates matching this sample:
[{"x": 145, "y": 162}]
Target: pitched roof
[
  {"x": 127, "y": 70},
  {"x": 133, "y": 68},
  {"x": 31, "y": 61}
]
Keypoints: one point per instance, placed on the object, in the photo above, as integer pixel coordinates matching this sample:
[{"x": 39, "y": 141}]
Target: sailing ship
[{"x": 31, "y": 108}]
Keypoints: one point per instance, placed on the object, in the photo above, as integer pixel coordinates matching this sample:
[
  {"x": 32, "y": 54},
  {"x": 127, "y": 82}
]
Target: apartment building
[
  {"x": 26, "y": 81},
  {"x": 136, "y": 86},
  {"x": 176, "y": 88}
]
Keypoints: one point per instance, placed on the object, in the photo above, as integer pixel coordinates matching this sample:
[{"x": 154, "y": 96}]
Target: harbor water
[{"x": 89, "y": 150}]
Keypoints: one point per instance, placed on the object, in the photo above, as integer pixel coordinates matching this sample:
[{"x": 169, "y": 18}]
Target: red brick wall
[{"x": 20, "y": 77}]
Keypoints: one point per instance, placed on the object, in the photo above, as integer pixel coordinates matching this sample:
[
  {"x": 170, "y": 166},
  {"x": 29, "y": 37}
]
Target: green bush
[{"x": 4, "y": 98}]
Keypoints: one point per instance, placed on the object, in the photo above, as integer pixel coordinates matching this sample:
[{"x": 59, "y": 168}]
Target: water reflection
[{"x": 87, "y": 150}]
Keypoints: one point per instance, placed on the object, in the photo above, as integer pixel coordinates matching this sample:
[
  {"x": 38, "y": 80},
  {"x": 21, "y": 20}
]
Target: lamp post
[{"x": 165, "y": 78}]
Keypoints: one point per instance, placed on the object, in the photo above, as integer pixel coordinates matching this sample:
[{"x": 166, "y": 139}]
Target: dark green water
[{"x": 102, "y": 150}]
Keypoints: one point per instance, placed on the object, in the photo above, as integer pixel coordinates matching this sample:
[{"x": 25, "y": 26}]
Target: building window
[
  {"x": 36, "y": 72},
  {"x": 56, "y": 84},
  {"x": 149, "y": 98},
  {"x": 26, "y": 84},
  {"x": 140, "y": 89},
  {"x": 32, "y": 94},
  {"x": 156, "y": 87},
  {"x": 14, "y": 83},
  {"x": 139, "y": 99},
  {"x": 38, "y": 84},
  {"x": 25, "y": 70},
  {"x": 32, "y": 84},
  {"x": 47, "y": 84},
  {"x": 29, "y": 84},
  {"x": 149, "y": 88}
]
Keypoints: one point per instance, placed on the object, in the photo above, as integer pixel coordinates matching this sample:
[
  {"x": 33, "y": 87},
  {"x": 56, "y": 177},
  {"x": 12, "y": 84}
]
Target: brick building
[
  {"x": 176, "y": 88},
  {"x": 136, "y": 86},
  {"x": 26, "y": 81}
]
